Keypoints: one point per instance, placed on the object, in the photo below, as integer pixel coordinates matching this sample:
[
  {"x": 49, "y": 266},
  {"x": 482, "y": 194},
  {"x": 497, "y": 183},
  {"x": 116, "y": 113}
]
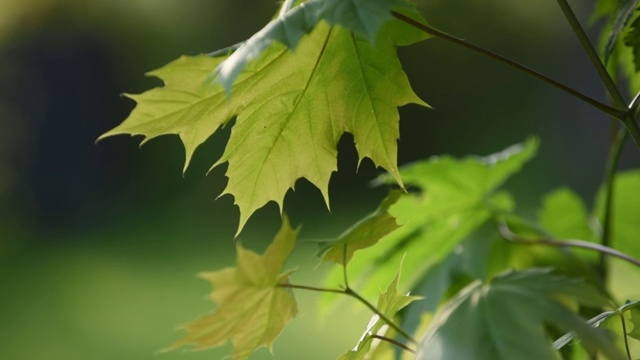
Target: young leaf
[
  {"x": 252, "y": 309},
  {"x": 291, "y": 107},
  {"x": 505, "y": 319},
  {"x": 457, "y": 197},
  {"x": 365, "y": 233},
  {"x": 389, "y": 303}
]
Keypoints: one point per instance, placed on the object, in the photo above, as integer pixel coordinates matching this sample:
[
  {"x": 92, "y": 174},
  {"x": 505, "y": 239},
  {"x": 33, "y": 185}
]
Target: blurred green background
[{"x": 100, "y": 244}]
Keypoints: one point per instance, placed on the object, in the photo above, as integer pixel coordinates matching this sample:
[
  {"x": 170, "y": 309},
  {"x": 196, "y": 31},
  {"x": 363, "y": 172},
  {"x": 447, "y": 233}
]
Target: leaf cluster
[{"x": 492, "y": 284}]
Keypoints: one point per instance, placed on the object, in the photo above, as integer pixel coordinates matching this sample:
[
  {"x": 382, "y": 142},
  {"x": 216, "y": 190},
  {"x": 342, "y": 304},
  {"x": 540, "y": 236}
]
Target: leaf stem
[
  {"x": 609, "y": 178},
  {"x": 633, "y": 106},
  {"x": 624, "y": 336},
  {"x": 350, "y": 292},
  {"x": 608, "y": 82},
  {"x": 394, "y": 342},
  {"x": 388, "y": 321},
  {"x": 503, "y": 227},
  {"x": 312, "y": 288},
  {"x": 615, "y": 112},
  {"x": 628, "y": 117}
]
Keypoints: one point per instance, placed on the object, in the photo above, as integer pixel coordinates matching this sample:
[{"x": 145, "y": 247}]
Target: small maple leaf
[
  {"x": 252, "y": 309},
  {"x": 389, "y": 303}
]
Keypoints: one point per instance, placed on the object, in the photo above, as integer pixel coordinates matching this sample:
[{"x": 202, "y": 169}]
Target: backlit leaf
[
  {"x": 291, "y": 107},
  {"x": 252, "y": 309}
]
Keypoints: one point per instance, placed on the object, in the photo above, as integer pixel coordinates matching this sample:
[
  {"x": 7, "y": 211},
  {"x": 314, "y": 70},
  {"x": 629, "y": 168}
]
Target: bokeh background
[{"x": 100, "y": 244}]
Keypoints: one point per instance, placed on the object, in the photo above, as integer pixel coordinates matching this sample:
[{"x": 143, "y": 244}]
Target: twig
[
  {"x": 624, "y": 336},
  {"x": 615, "y": 112},
  {"x": 608, "y": 82},
  {"x": 509, "y": 235},
  {"x": 609, "y": 181}
]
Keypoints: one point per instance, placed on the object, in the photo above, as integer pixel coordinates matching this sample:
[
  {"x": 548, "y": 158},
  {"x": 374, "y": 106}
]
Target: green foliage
[
  {"x": 486, "y": 321},
  {"x": 599, "y": 320},
  {"x": 322, "y": 68},
  {"x": 456, "y": 197},
  {"x": 252, "y": 307}
]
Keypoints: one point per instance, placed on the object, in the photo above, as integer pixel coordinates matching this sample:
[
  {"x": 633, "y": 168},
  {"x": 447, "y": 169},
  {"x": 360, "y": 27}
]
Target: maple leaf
[
  {"x": 252, "y": 309},
  {"x": 291, "y": 107},
  {"x": 389, "y": 303},
  {"x": 487, "y": 321}
]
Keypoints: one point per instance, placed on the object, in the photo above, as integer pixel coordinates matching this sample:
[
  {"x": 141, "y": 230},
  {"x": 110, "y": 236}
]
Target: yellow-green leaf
[
  {"x": 252, "y": 309},
  {"x": 292, "y": 109}
]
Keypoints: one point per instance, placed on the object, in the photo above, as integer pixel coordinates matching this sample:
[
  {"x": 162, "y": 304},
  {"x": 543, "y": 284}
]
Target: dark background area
[{"x": 100, "y": 244}]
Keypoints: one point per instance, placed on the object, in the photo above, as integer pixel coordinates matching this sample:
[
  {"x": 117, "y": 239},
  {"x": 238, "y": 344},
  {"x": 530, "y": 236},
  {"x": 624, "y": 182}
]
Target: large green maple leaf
[
  {"x": 291, "y": 107},
  {"x": 252, "y": 307},
  {"x": 505, "y": 319}
]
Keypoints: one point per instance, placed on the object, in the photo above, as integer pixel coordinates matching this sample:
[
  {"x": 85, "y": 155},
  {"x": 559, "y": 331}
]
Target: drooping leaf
[
  {"x": 252, "y": 309},
  {"x": 389, "y": 303},
  {"x": 564, "y": 215},
  {"x": 457, "y": 196},
  {"x": 291, "y": 107},
  {"x": 505, "y": 318},
  {"x": 363, "y": 234}
]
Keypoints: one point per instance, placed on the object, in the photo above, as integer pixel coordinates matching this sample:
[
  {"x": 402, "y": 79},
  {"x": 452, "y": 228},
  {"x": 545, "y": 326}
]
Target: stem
[
  {"x": 628, "y": 117},
  {"x": 353, "y": 294},
  {"x": 634, "y": 103},
  {"x": 510, "y": 236},
  {"x": 225, "y": 51},
  {"x": 624, "y": 336},
  {"x": 615, "y": 112},
  {"x": 394, "y": 342},
  {"x": 391, "y": 324},
  {"x": 312, "y": 288},
  {"x": 611, "y": 86},
  {"x": 612, "y": 164}
]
